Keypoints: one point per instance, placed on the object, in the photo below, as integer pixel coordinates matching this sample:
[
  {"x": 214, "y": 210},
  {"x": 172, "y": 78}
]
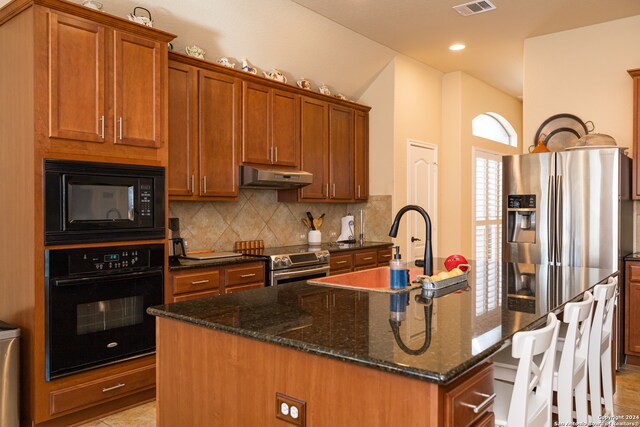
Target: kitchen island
[{"x": 349, "y": 357}]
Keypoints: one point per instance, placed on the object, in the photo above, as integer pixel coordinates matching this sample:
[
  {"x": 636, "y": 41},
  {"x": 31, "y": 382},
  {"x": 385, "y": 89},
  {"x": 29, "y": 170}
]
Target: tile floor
[{"x": 626, "y": 401}]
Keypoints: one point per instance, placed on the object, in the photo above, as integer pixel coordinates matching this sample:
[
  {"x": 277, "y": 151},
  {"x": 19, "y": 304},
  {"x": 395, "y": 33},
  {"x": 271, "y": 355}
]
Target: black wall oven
[
  {"x": 96, "y": 302},
  {"x": 100, "y": 202}
]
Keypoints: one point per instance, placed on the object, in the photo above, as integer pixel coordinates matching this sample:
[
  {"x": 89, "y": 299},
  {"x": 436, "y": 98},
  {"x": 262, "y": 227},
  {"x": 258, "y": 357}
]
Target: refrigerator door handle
[
  {"x": 558, "y": 224},
  {"x": 550, "y": 224}
]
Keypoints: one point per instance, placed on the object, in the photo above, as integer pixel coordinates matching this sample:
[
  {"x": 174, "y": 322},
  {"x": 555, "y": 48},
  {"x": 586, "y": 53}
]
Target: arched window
[{"x": 494, "y": 127}]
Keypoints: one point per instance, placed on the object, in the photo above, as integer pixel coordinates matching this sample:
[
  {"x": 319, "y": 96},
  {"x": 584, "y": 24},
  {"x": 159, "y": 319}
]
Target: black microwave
[{"x": 88, "y": 202}]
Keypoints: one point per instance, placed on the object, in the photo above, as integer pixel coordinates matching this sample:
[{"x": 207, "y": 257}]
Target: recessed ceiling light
[{"x": 457, "y": 46}]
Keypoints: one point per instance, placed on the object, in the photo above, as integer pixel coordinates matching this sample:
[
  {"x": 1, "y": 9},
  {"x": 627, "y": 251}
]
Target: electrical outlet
[{"x": 291, "y": 410}]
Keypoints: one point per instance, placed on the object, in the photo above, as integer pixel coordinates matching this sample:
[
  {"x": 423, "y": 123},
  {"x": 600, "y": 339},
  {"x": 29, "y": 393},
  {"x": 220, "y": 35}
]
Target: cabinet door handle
[
  {"x": 334, "y": 190},
  {"x": 325, "y": 190},
  {"x": 358, "y": 191},
  {"x": 488, "y": 401},
  {"x": 367, "y": 258},
  {"x": 247, "y": 275},
  {"x": 102, "y": 127},
  {"x": 193, "y": 183},
  {"x": 106, "y": 389},
  {"x": 270, "y": 155},
  {"x": 341, "y": 262},
  {"x": 204, "y": 184},
  {"x": 120, "y": 121},
  {"x": 276, "y": 150},
  {"x": 386, "y": 255},
  {"x": 200, "y": 282}
]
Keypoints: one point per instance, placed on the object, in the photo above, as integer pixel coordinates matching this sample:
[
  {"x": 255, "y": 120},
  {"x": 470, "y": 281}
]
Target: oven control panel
[
  {"x": 299, "y": 259},
  {"x": 108, "y": 259}
]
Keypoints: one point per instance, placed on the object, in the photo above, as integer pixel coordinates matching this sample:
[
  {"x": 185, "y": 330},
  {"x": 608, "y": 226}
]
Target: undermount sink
[{"x": 375, "y": 279}]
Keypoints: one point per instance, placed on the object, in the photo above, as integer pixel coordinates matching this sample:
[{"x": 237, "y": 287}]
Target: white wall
[{"x": 583, "y": 72}]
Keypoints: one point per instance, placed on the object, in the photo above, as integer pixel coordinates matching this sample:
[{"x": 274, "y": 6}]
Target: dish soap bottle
[{"x": 399, "y": 275}]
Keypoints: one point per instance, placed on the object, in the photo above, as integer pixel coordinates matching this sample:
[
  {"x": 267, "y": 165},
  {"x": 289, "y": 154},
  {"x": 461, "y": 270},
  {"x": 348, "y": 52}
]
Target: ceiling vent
[{"x": 474, "y": 7}]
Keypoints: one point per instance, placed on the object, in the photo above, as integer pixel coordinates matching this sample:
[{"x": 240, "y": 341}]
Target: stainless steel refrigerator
[{"x": 569, "y": 208}]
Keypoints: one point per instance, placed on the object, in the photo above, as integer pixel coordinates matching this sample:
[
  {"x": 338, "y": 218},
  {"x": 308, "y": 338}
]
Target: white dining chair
[
  {"x": 600, "y": 367},
  {"x": 527, "y": 402},
  {"x": 570, "y": 367}
]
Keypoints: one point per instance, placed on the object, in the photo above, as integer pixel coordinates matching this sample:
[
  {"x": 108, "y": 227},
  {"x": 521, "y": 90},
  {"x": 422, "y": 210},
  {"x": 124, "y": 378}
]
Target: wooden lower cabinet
[
  {"x": 359, "y": 259},
  {"x": 209, "y": 281},
  {"x": 632, "y": 312},
  {"x": 336, "y": 393}
]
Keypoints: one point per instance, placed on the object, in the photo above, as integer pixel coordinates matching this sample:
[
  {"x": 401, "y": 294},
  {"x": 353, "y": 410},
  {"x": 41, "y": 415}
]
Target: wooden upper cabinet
[
  {"x": 269, "y": 130},
  {"x": 219, "y": 110},
  {"x": 183, "y": 129},
  {"x": 138, "y": 91},
  {"x": 256, "y": 113},
  {"x": 314, "y": 147},
  {"x": 361, "y": 155},
  {"x": 77, "y": 101},
  {"x": 285, "y": 128},
  {"x": 635, "y": 74},
  {"x": 341, "y": 152},
  {"x": 105, "y": 85}
]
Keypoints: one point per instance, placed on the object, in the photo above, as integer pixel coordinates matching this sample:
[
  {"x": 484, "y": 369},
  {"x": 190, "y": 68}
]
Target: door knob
[{"x": 414, "y": 239}]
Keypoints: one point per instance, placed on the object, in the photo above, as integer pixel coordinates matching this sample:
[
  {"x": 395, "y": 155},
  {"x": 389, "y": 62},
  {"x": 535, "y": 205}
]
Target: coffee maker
[{"x": 176, "y": 243}]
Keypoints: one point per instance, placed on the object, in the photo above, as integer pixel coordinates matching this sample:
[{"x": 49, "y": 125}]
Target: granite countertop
[
  {"x": 633, "y": 257},
  {"x": 409, "y": 333},
  {"x": 186, "y": 264}
]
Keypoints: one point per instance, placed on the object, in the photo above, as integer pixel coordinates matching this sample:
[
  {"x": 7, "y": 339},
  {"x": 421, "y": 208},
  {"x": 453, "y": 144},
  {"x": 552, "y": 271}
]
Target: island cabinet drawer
[
  {"x": 369, "y": 258},
  {"x": 469, "y": 398},
  {"x": 194, "y": 295},
  {"x": 91, "y": 393},
  {"x": 246, "y": 274},
  {"x": 193, "y": 282},
  {"x": 240, "y": 288},
  {"x": 341, "y": 262},
  {"x": 384, "y": 256},
  {"x": 634, "y": 271}
]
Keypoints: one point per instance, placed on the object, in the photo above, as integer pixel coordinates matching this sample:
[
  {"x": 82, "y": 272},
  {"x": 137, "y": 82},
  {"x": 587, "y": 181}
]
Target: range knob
[
  {"x": 277, "y": 261},
  {"x": 286, "y": 261}
]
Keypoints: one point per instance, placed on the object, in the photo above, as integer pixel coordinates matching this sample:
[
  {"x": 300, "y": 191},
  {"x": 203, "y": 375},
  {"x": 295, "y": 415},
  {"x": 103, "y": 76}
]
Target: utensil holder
[{"x": 314, "y": 237}]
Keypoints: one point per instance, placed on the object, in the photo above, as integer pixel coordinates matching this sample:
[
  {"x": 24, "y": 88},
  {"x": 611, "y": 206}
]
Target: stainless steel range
[{"x": 295, "y": 264}]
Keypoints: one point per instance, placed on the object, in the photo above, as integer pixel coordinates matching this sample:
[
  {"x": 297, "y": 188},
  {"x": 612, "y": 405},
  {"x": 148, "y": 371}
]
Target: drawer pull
[
  {"x": 367, "y": 258},
  {"x": 200, "y": 282},
  {"x": 386, "y": 255},
  {"x": 488, "y": 401},
  {"x": 341, "y": 262},
  {"x": 104, "y": 390},
  {"x": 247, "y": 275}
]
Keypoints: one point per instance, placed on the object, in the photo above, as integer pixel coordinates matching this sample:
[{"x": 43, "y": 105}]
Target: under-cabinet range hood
[{"x": 273, "y": 179}]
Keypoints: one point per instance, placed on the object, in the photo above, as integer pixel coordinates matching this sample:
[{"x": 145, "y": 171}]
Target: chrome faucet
[{"x": 427, "y": 262}]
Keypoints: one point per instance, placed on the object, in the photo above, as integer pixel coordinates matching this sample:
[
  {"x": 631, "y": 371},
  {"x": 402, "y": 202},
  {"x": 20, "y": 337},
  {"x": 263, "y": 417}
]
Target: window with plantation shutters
[{"x": 487, "y": 227}]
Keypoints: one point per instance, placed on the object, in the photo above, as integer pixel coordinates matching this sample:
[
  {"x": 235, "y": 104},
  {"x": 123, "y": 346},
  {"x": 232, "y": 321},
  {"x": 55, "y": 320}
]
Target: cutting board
[{"x": 211, "y": 255}]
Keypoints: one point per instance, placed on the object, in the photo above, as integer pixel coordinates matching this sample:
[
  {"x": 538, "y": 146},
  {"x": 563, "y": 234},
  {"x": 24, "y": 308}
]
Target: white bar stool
[
  {"x": 600, "y": 368},
  {"x": 527, "y": 402},
  {"x": 570, "y": 367}
]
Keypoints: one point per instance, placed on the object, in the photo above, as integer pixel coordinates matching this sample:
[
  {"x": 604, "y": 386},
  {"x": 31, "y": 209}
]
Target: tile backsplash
[{"x": 257, "y": 214}]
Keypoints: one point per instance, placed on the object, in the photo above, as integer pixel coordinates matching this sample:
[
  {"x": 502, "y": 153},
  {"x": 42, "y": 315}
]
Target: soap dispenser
[{"x": 399, "y": 275}]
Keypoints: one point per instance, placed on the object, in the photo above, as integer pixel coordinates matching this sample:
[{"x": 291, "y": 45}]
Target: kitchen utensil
[
  {"x": 306, "y": 222},
  {"x": 596, "y": 140},
  {"x": 144, "y": 20},
  {"x": 310, "y": 220},
  {"x": 562, "y": 130},
  {"x": 318, "y": 223}
]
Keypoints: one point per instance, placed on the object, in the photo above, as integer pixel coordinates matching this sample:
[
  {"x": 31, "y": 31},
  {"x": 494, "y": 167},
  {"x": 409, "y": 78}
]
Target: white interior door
[{"x": 422, "y": 190}]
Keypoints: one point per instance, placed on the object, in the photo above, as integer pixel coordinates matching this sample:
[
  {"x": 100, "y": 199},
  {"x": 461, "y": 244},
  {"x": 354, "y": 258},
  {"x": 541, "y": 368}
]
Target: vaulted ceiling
[{"x": 424, "y": 29}]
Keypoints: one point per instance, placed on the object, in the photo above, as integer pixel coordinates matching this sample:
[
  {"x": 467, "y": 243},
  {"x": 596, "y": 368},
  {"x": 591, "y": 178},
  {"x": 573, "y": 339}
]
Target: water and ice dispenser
[{"x": 521, "y": 218}]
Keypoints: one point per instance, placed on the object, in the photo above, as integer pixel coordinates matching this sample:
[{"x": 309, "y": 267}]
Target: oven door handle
[
  {"x": 83, "y": 280},
  {"x": 300, "y": 273}
]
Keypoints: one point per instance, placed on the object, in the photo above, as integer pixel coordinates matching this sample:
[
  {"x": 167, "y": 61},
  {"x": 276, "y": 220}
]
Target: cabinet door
[
  {"x": 218, "y": 134},
  {"x": 77, "y": 102},
  {"x": 183, "y": 129},
  {"x": 361, "y": 153},
  {"x": 341, "y": 152},
  {"x": 138, "y": 91},
  {"x": 635, "y": 192},
  {"x": 314, "y": 148},
  {"x": 256, "y": 113},
  {"x": 632, "y": 308},
  {"x": 284, "y": 128}
]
